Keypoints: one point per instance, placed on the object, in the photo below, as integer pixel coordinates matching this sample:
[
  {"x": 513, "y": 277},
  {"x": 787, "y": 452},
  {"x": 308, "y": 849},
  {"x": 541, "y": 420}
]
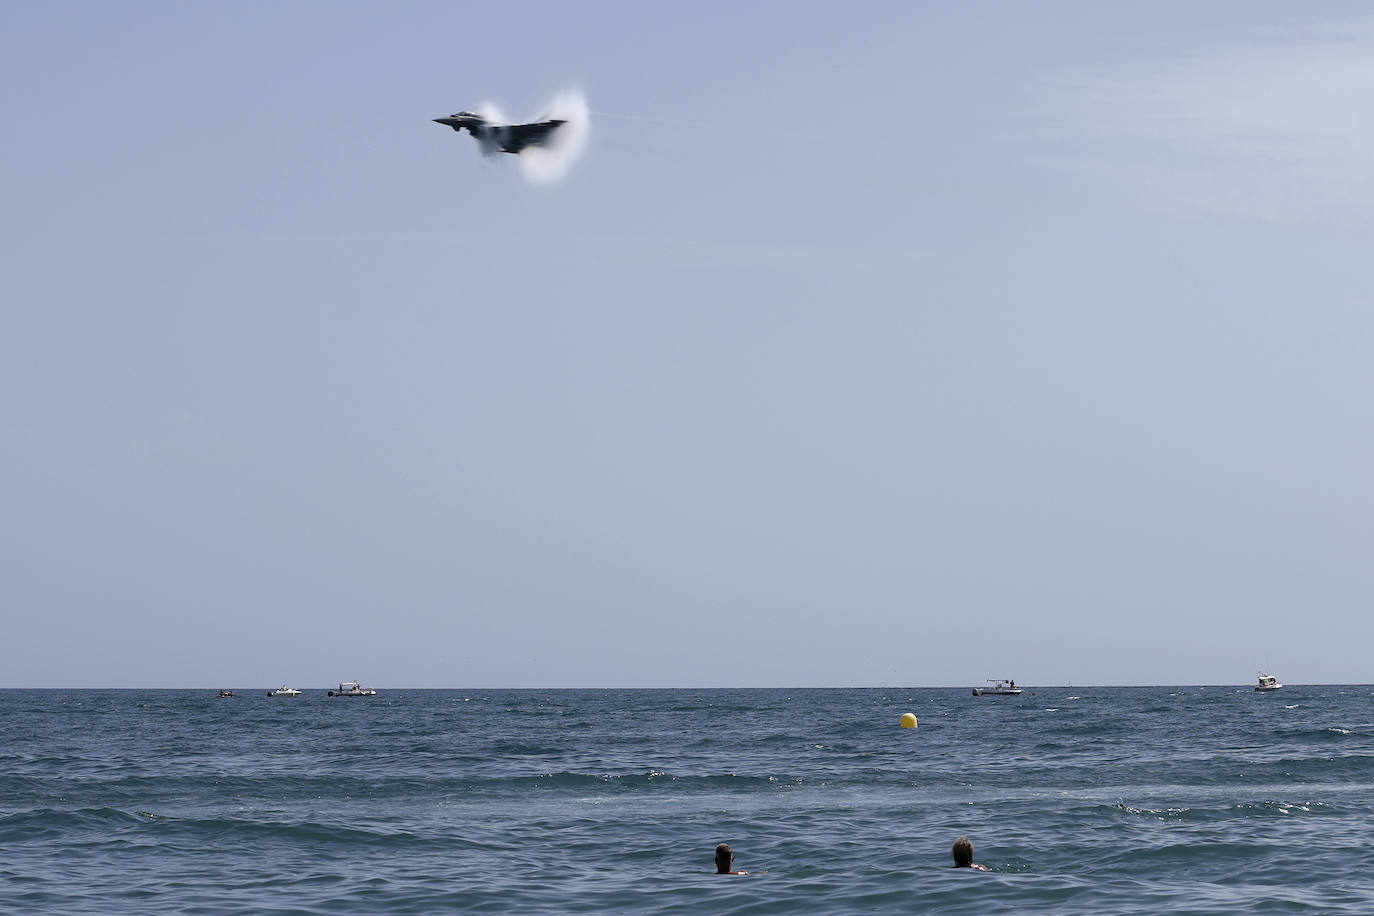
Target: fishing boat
[
  {"x": 1002, "y": 687},
  {"x": 353, "y": 689},
  {"x": 1267, "y": 682},
  {"x": 284, "y": 691},
  {"x": 225, "y": 694}
]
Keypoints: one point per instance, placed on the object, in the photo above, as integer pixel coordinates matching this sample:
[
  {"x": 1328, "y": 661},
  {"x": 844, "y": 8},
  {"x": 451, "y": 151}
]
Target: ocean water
[{"x": 1079, "y": 800}]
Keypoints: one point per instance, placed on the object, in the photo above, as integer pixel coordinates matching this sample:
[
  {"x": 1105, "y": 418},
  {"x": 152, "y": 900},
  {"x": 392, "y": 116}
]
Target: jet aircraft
[{"x": 510, "y": 138}]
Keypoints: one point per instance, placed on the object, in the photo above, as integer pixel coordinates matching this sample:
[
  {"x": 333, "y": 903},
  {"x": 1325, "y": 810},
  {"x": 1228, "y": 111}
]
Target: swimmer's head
[
  {"x": 963, "y": 852},
  {"x": 725, "y": 857}
]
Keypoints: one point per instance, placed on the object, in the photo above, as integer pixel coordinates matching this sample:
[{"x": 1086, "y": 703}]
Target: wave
[
  {"x": 108, "y": 825},
  {"x": 1203, "y": 814},
  {"x": 40, "y": 823}
]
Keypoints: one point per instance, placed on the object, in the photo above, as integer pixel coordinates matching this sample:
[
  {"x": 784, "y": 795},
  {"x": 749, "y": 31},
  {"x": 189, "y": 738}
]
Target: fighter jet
[{"x": 510, "y": 138}]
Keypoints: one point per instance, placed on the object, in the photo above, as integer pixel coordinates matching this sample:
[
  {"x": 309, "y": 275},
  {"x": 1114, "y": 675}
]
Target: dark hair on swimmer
[
  {"x": 963, "y": 852},
  {"x": 725, "y": 857}
]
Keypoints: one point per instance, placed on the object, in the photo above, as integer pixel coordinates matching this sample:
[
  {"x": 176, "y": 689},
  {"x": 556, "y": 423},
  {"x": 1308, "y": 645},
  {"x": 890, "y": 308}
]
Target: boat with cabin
[
  {"x": 1267, "y": 682},
  {"x": 1000, "y": 687},
  {"x": 284, "y": 691},
  {"x": 353, "y": 689}
]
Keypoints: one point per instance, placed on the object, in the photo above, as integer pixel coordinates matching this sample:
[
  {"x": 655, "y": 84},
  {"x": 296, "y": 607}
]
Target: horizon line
[{"x": 791, "y": 687}]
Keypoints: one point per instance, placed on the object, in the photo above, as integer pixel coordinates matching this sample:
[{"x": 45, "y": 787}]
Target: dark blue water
[{"x": 1080, "y": 800}]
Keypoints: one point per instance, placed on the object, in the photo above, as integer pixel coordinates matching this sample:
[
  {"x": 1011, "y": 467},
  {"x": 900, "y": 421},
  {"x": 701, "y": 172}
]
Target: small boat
[
  {"x": 1267, "y": 682},
  {"x": 284, "y": 691},
  {"x": 224, "y": 694},
  {"x": 353, "y": 689},
  {"x": 1003, "y": 687}
]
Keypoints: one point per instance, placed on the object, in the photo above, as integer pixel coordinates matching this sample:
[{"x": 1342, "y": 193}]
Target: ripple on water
[{"x": 1170, "y": 800}]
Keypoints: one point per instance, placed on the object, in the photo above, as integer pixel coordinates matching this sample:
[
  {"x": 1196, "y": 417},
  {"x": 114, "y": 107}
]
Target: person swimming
[
  {"x": 725, "y": 861},
  {"x": 963, "y": 855}
]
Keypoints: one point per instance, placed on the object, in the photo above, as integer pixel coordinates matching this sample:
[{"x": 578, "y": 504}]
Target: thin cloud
[{"x": 1277, "y": 128}]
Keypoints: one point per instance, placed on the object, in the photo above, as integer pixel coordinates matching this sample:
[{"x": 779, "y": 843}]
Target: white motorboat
[
  {"x": 1266, "y": 683},
  {"x": 284, "y": 691},
  {"x": 353, "y": 689},
  {"x": 1003, "y": 687}
]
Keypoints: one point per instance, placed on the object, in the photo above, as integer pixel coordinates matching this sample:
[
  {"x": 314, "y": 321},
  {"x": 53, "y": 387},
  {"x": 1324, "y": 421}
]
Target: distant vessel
[
  {"x": 227, "y": 693},
  {"x": 284, "y": 691},
  {"x": 1005, "y": 687},
  {"x": 353, "y": 689},
  {"x": 1266, "y": 683}
]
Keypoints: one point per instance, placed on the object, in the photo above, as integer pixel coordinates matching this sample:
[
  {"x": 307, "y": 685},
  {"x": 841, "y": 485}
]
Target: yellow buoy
[{"x": 908, "y": 721}]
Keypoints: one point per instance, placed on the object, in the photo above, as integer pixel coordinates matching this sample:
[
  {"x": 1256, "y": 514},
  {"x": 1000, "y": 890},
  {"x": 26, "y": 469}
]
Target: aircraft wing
[{"x": 518, "y": 136}]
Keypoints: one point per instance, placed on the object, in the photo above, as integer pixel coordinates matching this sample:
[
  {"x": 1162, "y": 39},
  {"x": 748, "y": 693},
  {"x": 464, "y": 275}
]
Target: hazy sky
[{"x": 868, "y": 344}]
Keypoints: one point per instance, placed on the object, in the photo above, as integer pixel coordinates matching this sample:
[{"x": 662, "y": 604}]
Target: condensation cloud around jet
[{"x": 545, "y": 148}]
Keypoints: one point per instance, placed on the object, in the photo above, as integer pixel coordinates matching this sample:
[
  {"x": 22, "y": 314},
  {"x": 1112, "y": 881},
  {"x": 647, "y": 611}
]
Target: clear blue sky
[{"x": 868, "y": 344}]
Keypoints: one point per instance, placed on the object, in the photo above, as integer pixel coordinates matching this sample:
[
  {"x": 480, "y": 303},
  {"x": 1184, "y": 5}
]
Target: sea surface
[{"x": 1079, "y": 800}]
